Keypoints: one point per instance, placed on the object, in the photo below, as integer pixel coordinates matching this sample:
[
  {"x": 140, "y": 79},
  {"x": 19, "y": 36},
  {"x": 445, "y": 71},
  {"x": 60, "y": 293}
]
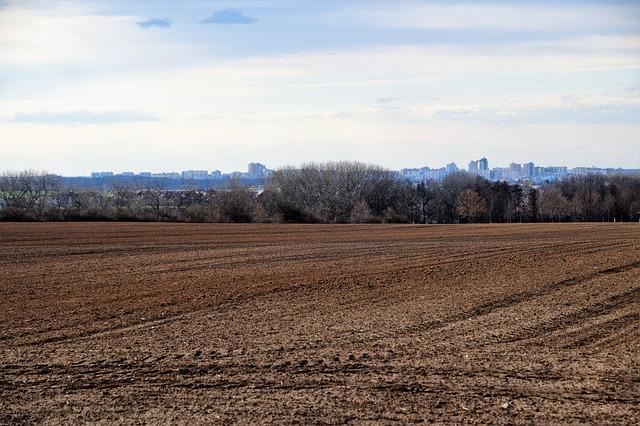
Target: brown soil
[{"x": 164, "y": 323}]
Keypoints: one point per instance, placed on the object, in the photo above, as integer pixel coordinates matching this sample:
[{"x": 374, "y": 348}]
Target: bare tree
[
  {"x": 634, "y": 210},
  {"x": 328, "y": 192},
  {"x": 532, "y": 202},
  {"x": 29, "y": 191},
  {"x": 45, "y": 186},
  {"x": 471, "y": 205},
  {"x": 124, "y": 197},
  {"x": 12, "y": 190},
  {"x": 361, "y": 213},
  {"x": 627, "y": 199},
  {"x": 553, "y": 203},
  {"x": 424, "y": 195},
  {"x": 608, "y": 205},
  {"x": 154, "y": 194}
]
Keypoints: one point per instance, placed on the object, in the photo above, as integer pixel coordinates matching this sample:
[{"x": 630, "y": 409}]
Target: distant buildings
[
  {"x": 515, "y": 172},
  {"x": 480, "y": 168},
  {"x": 257, "y": 168},
  {"x": 536, "y": 174},
  {"x": 173, "y": 175},
  {"x": 529, "y": 169},
  {"x": 555, "y": 170},
  {"x": 590, "y": 171},
  {"x": 257, "y": 173},
  {"x": 98, "y": 175},
  {"x": 551, "y": 173},
  {"x": 426, "y": 173},
  {"x": 195, "y": 175},
  {"x": 483, "y": 164}
]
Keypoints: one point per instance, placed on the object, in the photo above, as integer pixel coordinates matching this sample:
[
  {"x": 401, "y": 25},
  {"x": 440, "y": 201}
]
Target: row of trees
[
  {"x": 34, "y": 195},
  {"x": 464, "y": 198},
  {"x": 343, "y": 192}
]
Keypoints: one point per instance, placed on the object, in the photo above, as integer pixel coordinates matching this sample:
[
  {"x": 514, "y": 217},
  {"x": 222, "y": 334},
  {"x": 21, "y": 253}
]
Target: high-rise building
[
  {"x": 483, "y": 164},
  {"x": 473, "y": 166},
  {"x": 529, "y": 169},
  {"x": 515, "y": 167},
  {"x": 257, "y": 168},
  {"x": 452, "y": 168}
]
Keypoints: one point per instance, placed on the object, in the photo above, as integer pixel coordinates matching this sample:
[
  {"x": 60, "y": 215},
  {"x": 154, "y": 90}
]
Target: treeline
[{"x": 343, "y": 192}]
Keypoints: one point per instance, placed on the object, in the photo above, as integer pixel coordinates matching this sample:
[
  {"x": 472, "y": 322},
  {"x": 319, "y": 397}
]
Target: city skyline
[
  {"x": 207, "y": 166},
  {"x": 462, "y": 166},
  {"x": 514, "y": 172},
  {"x": 87, "y": 85},
  {"x": 255, "y": 167}
]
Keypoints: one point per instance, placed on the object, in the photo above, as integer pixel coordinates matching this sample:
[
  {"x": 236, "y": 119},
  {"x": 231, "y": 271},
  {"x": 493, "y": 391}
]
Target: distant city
[
  {"x": 515, "y": 172},
  {"x": 254, "y": 171}
]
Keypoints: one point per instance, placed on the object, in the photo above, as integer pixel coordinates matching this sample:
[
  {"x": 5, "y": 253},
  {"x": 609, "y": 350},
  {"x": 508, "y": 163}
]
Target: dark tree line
[{"x": 343, "y": 192}]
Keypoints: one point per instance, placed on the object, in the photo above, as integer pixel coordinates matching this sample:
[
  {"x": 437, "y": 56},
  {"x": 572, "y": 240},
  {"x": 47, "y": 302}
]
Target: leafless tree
[
  {"x": 12, "y": 189},
  {"x": 124, "y": 197},
  {"x": 552, "y": 203},
  {"x": 155, "y": 194},
  {"x": 608, "y": 205},
  {"x": 328, "y": 192},
  {"x": 30, "y": 191},
  {"x": 634, "y": 210},
  {"x": 44, "y": 187},
  {"x": 471, "y": 205},
  {"x": 361, "y": 213}
]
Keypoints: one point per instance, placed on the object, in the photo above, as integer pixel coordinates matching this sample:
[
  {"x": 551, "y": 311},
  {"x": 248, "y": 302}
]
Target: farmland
[{"x": 152, "y": 322}]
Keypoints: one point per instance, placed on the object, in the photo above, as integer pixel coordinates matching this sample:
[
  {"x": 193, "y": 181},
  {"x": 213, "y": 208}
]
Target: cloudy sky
[{"x": 172, "y": 85}]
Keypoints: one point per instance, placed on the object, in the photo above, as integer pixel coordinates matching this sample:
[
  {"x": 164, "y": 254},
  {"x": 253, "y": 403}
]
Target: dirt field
[{"x": 319, "y": 324}]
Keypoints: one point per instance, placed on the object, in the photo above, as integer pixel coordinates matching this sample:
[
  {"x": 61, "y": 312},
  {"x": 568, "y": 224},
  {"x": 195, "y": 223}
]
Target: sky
[{"x": 165, "y": 85}]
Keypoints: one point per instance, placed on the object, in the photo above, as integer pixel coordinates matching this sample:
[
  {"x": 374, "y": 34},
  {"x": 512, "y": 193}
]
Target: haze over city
[{"x": 160, "y": 86}]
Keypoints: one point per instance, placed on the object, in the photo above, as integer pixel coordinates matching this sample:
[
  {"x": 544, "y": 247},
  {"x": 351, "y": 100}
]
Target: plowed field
[{"x": 165, "y": 323}]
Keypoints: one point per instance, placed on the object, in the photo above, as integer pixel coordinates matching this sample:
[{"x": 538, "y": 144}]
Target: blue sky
[{"x": 164, "y": 85}]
